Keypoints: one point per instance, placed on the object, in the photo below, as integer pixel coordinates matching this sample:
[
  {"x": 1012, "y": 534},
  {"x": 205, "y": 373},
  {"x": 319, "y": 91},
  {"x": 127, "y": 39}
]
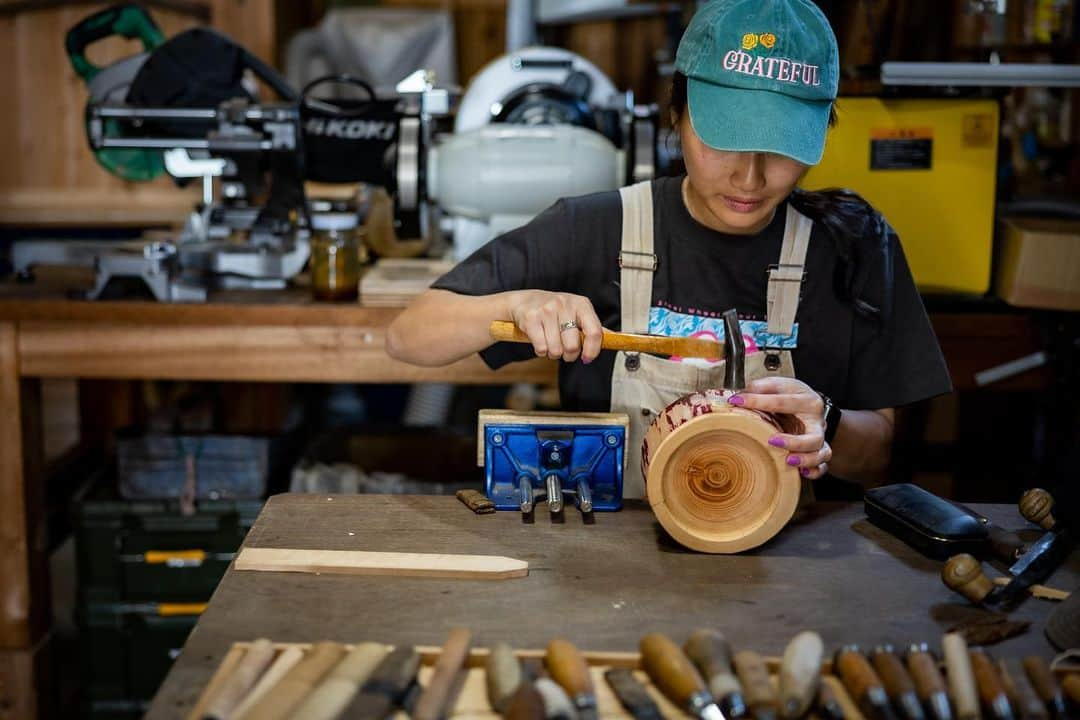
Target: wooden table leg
[{"x": 24, "y": 596}]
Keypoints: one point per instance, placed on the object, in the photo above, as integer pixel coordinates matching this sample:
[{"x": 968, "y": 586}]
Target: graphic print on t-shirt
[{"x": 669, "y": 322}]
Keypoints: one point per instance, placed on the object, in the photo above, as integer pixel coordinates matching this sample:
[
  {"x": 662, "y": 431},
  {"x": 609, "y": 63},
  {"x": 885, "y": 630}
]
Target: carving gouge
[
  {"x": 255, "y": 661},
  {"x": 827, "y": 705},
  {"x": 632, "y": 694},
  {"x": 1022, "y": 696},
  {"x": 988, "y": 683},
  {"x": 754, "y": 677},
  {"x": 898, "y": 684},
  {"x": 677, "y": 677},
  {"x": 436, "y": 697},
  {"x": 1046, "y": 687},
  {"x": 386, "y": 686},
  {"x": 710, "y": 652},
  {"x": 285, "y": 661},
  {"x": 569, "y": 669},
  {"x": 503, "y": 674},
  {"x": 800, "y": 673},
  {"x": 557, "y": 704},
  {"x": 505, "y": 331},
  {"x": 333, "y": 695},
  {"x": 525, "y": 704},
  {"x": 280, "y": 700},
  {"x": 863, "y": 683},
  {"x": 960, "y": 675},
  {"x": 929, "y": 685}
]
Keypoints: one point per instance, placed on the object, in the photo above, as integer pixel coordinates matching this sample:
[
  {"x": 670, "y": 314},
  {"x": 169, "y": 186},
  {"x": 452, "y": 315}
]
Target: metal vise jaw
[{"x": 557, "y": 455}]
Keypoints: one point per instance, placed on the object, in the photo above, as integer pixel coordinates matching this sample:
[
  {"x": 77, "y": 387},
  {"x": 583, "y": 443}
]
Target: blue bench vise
[{"x": 532, "y": 454}]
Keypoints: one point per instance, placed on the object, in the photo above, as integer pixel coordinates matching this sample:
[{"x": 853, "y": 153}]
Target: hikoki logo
[{"x": 773, "y": 68}]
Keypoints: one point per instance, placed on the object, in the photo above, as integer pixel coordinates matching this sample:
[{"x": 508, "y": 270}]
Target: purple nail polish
[
  {"x": 736, "y": 400},
  {"x": 777, "y": 442},
  {"x": 805, "y": 472},
  {"x": 793, "y": 460}
]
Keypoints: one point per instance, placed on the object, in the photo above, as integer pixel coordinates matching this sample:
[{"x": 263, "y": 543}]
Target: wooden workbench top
[{"x": 604, "y": 585}]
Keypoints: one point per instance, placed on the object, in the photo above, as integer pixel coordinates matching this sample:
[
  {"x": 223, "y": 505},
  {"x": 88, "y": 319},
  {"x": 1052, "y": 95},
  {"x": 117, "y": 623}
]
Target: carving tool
[
  {"x": 632, "y": 694},
  {"x": 800, "y": 673},
  {"x": 503, "y": 675},
  {"x": 961, "y": 677},
  {"x": 677, "y": 678},
  {"x": 557, "y": 704},
  {"x": 827, "y": 705},
  {"x": 898, "y": 683},
  {"x": 285, "y": 662},
  {"x": 504, "y": 331},
  {"x": 525, "y": 704},
  {"x": 436, "y": 697},
  {"x": 255, "y": 661},
  {"x": 757, "y": 688},
  {"x": 862, "y": 683},
  {"x": 991, "y": 691},
  {"x": 1046, "y": 687},
  {"x": 710, "y": 652},
  {"x": 1022, "y": 696},
  {"x": 569, "y": 669},
  {"x": 929, "y": 684},
  {"x": 297, "y": 683},
  {"x": 332, "y": 696},
  {"x": 386, "y": 686}
]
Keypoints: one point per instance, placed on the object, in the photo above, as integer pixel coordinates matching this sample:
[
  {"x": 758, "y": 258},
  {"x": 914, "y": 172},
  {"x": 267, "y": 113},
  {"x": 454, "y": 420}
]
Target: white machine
[{"x": 534, "y": 126}]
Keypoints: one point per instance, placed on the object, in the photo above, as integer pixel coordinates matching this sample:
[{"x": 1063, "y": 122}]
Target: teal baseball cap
[{"x": 761, "y": 76}]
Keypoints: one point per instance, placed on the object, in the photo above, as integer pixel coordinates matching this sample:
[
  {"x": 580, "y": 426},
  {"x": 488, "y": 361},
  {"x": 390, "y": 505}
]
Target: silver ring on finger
[{"x": 568, "y": 325}]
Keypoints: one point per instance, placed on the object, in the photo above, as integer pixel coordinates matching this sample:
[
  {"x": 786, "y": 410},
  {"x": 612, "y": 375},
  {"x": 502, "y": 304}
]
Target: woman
[{"x": 827, "y": 305}]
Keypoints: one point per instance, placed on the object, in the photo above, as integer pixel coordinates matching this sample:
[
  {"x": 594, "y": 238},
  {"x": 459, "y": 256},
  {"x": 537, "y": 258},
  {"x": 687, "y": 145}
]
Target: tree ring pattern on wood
[{"x": 712, "y": 479}]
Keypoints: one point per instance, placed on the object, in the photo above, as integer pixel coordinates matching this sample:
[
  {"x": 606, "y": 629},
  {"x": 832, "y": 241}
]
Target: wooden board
[
  {"x": 394, "y": 282},
  {"x": 472, "y": 700},
  {"x": 359, "y": 562},
  {"x": 543, "y": 417}
]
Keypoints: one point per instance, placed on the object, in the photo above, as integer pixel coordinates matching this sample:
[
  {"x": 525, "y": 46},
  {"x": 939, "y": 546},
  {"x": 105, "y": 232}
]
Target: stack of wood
[{"x": 393, "y": 282}]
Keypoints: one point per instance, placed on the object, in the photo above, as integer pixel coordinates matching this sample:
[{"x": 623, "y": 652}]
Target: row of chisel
[{"x": 702, "y": 678}]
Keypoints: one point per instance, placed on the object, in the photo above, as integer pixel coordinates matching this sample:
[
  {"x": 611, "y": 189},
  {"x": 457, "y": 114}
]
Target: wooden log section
[{"x": 711, "y": 477}]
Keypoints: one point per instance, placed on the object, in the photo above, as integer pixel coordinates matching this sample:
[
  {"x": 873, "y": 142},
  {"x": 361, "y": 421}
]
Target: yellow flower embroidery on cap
[
  {"x": 749, "y": 41},
  {"x": 767, "y": 39}
]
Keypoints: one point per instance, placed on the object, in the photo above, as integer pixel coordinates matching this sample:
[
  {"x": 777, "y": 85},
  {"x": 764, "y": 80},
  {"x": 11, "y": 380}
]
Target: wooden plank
[
  {"x": 107, "y": 203},
  {"x": 360, "y": 562},
  {"x": 260, "y": 353}
]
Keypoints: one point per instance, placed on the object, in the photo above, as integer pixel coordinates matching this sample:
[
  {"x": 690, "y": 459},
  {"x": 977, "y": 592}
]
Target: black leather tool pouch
[{"x": 935, "y": 527}]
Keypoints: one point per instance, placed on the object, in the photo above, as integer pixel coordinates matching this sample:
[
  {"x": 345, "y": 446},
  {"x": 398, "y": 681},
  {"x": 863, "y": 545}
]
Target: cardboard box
[{"x": 1038, "y": 264}]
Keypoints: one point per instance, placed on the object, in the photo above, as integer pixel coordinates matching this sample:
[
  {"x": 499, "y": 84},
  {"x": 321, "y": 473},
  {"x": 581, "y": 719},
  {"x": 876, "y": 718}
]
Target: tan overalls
[{"x": 643, "y": 385}]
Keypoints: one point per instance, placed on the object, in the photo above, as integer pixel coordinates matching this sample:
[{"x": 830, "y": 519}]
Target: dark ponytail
[{"x": 847, "y": 218}]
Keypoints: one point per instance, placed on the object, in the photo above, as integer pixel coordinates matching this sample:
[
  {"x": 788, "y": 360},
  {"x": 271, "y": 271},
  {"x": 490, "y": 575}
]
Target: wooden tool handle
[
  {"x": 964, "y": 574},
  {"x": 632, "y": 694},
  {"x": 710, "y": 652},
  {"x": 285, "y": 662},
  {"x": 243, "y": 678},
  {"x": 1071, "y": 686},
  {"x": 987, "y": 680},
  {"x": 924, "y": 672},
  {"x": 333, "y": 695},
  {"x": 568, "y": 668},
  {"x": 754, "y": 678},
  {"x": 857, "y": 674},
  {"x": 287, "y": 694},
  {"x": 800, "y": 673},
  {"x": 1042, "y": 679},
  {"x": 502, "y": 672},
  {"x": 894, "y": 676},
  {"x": 1021, "y": 694},
  {"x": 827, "y": 705},
  {"x": 525, "y": 704},
  {"x": 961, "y": 677},
  {"x": 504, "y": 331},
  {"x": 435, "y": 697},
  {"x": 671, "y": 670},
  {"x": 1036, "y": 505}
]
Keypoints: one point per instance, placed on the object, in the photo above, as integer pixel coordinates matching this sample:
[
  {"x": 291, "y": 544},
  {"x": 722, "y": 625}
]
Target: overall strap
[
  {"x": 637, "y": 262},
  {"x": 785, "y": 279}
]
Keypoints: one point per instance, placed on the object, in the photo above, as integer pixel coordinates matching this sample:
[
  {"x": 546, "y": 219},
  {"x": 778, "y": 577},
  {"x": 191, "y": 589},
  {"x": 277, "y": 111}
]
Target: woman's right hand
[{"x": 545, "y": 316}]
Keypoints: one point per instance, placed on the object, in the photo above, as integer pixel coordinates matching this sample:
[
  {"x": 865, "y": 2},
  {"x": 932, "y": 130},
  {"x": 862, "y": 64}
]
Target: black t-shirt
[{"x": 861, "y": 361}]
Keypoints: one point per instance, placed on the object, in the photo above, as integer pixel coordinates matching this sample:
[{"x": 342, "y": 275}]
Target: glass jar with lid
[{"x": 335, "y": 255}]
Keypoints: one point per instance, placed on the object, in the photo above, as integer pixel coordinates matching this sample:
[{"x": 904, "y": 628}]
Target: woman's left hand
[{"x": 809, "y": 452}]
